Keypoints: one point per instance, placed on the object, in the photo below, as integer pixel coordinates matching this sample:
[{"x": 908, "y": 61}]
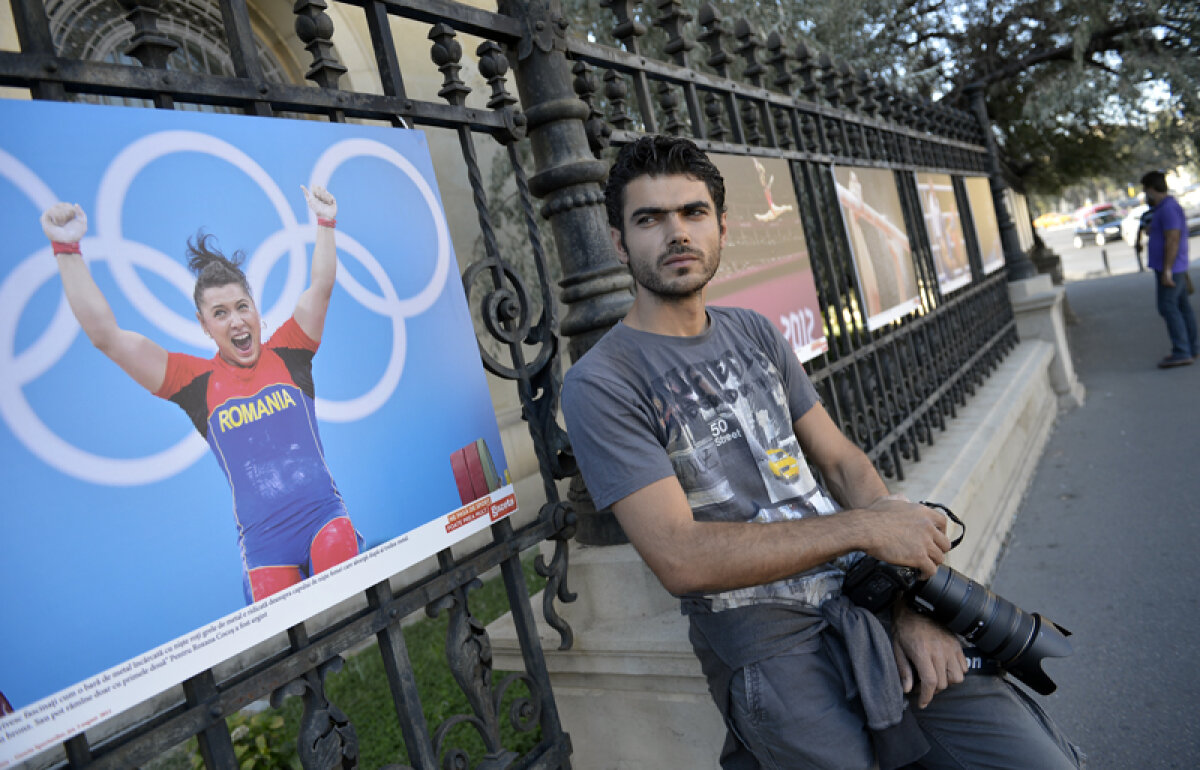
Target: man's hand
[
  {"x": 928, "y": 650},
  {"x": 64, "y": 223},
  {"x": 321, "y": 201},
  {"x": 908, "y": 534},
  {"x": 1166, "y": 279}
]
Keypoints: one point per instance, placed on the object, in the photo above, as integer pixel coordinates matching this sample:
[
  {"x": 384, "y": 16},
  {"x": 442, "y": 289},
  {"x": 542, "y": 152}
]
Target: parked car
[
  {"x": 1101, "y": 228},
  {"x": 1131, "y": 223},
  {"x": 1190, "y": 200},
  {"x": 1132, "y": 220},
  {"x": 1053, "y": 219}
]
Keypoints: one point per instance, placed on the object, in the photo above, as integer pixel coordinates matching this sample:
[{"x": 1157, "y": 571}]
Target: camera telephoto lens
[{"x": 1015, "y": 639}]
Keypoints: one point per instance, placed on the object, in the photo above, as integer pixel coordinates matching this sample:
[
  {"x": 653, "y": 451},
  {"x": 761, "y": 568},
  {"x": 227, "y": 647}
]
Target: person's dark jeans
[{"x": 1176, "y": 309}]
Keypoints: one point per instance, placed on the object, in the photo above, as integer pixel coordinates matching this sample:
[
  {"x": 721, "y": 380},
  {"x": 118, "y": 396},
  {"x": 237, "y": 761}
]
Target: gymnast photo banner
[
  {"x": 987, "y": 229},
  {"x": 874, "y": 222},
  {"x": 197, "y": 461},
  {"x": 944, "y": 227},
  {"x": 765, "y": 264}
]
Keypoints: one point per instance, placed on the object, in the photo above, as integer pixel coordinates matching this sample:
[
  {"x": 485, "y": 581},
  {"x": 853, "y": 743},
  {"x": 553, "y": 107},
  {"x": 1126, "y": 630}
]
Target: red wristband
[
  {"x": 65, "y": 248},
  {"x": 323, "y": 222}
]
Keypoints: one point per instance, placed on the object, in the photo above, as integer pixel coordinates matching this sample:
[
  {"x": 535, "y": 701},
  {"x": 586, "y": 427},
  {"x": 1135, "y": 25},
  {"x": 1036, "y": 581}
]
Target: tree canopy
[{"x": 1076, "y": 89}]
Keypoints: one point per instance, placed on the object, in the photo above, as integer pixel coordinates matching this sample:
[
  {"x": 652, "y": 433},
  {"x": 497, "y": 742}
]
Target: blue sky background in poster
[{"x": 100, "y": 571}]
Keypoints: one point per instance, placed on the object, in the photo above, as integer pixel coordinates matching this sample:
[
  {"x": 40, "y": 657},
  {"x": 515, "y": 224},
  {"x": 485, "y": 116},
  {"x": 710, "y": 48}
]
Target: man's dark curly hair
[
  {"x": 1155, "y": 180},
  {"x": 212, "y": 268},
  {"x": 659, "y": 156}
]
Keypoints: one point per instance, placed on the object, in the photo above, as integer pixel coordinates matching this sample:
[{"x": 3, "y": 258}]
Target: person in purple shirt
[{"x": 1167, "y": 249}]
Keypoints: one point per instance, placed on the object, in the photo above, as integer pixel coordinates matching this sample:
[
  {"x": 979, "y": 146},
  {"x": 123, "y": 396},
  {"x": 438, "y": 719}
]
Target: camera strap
[{"x": 950, "y": 515}]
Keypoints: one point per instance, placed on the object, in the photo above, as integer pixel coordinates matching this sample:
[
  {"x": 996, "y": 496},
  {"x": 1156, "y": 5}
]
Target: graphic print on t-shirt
[{"x": 729, "y": 436}]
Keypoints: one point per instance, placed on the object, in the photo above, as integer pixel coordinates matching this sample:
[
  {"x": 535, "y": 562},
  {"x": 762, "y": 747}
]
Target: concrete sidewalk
[{"x": 1107, "y": 539}]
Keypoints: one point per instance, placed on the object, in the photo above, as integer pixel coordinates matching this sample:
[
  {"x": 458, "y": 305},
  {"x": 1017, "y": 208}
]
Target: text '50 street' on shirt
[
  {"x": 261, "y": 425},
  {"x": 717, "y": 412}
]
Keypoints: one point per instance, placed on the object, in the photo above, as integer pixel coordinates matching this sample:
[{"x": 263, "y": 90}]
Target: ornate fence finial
[
  {"x": 616, "y": 91},
  {"x": 927, "y": 117},
  {"x": 831, "y": 79},
  {"x": 806, "y": 68},
  {"x": 955, "y": 119},
  {"x": 493, "y": 65},
  {"x": 669, "y": 101},
  {"x": 598, "y": 130},
  {"x": 868, "y": 87},
  {"x": 965, "y": 125},
  {"x": 315, "y": 30},
  {"x": 147, "y": 44},
  {"x": 446, "y": 53},
  {"x": 849, "y": 81},
  {"x": 779, "y": 59},
  {"x": 885, "y": 101},
  {"x": 628, "y": 29},
  {"x": 672, "y": 20},
  {"x": 715, "y": 29},
  {"x": 714, "y": 111},
  {"x": 910, "y": 113},
  {"x": 749, "y": 44}
]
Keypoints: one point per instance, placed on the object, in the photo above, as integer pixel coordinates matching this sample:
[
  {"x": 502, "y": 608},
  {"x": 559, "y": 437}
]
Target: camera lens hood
[{"x": 1015, "y": 639}]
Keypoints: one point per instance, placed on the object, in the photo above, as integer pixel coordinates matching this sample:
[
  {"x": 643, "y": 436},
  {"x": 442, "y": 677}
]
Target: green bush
[{"x": 260, "y": 742}]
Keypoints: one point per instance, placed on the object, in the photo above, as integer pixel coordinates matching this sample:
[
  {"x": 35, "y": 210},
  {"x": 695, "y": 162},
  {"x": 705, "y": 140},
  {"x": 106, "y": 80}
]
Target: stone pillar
[
  {"x": 629, "y": 691},
  {"x": 1038, "y": 307}
]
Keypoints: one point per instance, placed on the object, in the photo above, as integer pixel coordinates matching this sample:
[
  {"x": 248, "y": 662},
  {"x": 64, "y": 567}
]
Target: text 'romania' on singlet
[{"x": 261, "y": 425}]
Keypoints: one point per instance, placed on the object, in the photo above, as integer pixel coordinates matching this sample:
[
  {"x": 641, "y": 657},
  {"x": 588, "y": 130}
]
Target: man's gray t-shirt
[{"x": 716, "y": 411}]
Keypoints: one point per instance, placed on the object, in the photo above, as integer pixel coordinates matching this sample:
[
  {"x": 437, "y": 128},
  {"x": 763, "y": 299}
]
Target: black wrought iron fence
[{"x": 890, "y": 388}]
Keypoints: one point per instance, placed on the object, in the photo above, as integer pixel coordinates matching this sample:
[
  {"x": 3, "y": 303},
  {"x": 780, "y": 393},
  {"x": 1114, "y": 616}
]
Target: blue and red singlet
[{"x": 261, "y": 425}]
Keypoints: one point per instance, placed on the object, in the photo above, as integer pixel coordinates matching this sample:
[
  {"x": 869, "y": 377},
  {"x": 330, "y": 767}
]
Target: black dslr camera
[{"x": 1016, "y": 640}]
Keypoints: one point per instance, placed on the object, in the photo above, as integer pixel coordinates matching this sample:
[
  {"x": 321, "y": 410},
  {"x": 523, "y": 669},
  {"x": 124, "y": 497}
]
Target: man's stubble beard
[{"x": 649, "y": 279}]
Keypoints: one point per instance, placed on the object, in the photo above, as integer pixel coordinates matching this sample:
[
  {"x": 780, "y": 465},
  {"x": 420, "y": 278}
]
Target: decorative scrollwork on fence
[
  {"x": 469, "y": 653},
  {"x": 555, "y": 571},
  {"x": 327, "y": 739}
]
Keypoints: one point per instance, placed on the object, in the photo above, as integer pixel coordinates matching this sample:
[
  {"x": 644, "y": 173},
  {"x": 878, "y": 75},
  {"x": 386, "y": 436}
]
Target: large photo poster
[
  {"x": 196, "y": 461},
  {"x": 874, "y": 221},
  {"x": 945, "y": 229},
  {"x": 765, "y": 265},
  {"x": 987, "y": 229}
]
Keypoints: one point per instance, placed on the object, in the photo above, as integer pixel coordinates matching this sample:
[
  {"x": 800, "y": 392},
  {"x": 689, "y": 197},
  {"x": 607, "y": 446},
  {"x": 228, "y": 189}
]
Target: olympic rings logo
[{"x": 123, "y": 256}]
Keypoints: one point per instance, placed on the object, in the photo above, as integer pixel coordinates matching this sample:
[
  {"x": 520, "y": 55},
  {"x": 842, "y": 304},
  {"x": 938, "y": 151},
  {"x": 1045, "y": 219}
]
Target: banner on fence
[
  {"x": 765, "y": 264},
  {"x": 874, "y": 222},
  {"x": 317, "y": 452},
  {"x": 987, "y": 229},
  {"x": 944, "y": 227}
]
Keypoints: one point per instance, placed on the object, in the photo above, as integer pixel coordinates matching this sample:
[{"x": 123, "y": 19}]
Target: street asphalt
[{"x": 1107, "y": 538}]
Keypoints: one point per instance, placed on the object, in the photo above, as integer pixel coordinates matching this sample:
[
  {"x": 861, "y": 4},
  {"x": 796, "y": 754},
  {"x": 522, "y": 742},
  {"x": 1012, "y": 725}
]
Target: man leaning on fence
[{"x": 680, "y": 417}]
